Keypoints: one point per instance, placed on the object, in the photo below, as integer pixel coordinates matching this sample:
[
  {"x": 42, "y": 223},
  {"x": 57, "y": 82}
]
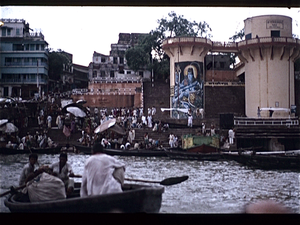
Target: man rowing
[{"x": 102, "y": 174}]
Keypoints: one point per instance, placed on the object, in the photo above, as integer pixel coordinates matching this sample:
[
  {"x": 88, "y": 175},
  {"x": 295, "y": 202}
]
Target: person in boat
[
  {"x": 63, "y": 170},
  {"x": 102, "y": 174},
  {"x": 28, "y": 169}
]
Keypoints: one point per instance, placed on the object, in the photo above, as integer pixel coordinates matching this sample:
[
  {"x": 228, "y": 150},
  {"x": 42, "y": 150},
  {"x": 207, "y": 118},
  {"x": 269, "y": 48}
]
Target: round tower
[
  {"x": 186, "y": 73},
  {"x": 269, "y": 52}
]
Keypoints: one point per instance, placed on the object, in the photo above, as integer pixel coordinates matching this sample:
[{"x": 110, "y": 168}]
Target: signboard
[
  {"x": 274, "y": 24},
  {"x": 293, "y": 108}
]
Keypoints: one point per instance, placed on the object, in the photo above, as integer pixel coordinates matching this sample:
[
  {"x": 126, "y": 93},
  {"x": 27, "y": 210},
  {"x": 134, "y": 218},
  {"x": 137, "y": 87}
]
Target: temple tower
[
  {"x": 269, "y": 52},
  {"x": 186, "y": 72}
]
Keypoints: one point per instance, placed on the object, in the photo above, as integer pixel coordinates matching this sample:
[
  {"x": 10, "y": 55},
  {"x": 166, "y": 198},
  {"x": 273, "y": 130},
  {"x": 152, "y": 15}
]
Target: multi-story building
[
  {"x": 114, "y": 65},
  {"x": 111, "y": 82},
  {"x": 24, "y": 60}
]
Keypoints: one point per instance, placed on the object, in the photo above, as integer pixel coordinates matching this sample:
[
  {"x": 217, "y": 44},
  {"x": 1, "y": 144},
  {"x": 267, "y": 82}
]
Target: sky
[{"x": 82, "y": 30}]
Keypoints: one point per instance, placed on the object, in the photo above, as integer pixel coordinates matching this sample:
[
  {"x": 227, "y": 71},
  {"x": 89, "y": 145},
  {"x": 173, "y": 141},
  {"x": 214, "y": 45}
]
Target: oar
[
  {"x": 12, "y": 189},
  {"x": 166, "y": 182}
]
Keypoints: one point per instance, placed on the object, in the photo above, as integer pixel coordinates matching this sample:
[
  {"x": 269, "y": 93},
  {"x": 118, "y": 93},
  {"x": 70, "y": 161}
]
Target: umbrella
[
  {"x": 80, "y": 101},
  {"x": 105, "y": 125},
  {"x": 3, "y": 121},
  {"x": 76, "y": 111},
  {"x": 9, "y": 128}
]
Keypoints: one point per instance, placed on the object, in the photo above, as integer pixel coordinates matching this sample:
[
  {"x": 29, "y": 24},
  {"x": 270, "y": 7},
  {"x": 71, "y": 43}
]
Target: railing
[
  {"x": 115, "y": 80},
  {"x": 222, "y": 83},
  {"x": 267, "y": 122},
  {"x": 269, "y": 40},
  {"x": 187, "y": 40},
  {"x": 26, "y": 64},
  {"x": 115, "y": 91},
  {"x": 23, "y": 81},
  {"x": 258, "y": 40}
]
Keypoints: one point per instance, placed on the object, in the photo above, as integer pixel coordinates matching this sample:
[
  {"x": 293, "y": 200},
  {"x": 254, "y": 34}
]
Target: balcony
[{"x": 22, "y": 81}]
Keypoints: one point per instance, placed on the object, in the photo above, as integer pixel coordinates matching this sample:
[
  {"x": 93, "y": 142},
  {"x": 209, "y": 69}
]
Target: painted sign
[
  {"x": 274, "y": 24},
  {"x": 188, "y": 89}
]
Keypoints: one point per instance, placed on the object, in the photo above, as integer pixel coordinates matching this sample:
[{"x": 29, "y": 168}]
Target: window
[
  {"x": 37, "y": 47},
  {"x": 115, "y": 60},
  {"x": 141, "y": 73},
  {"x": 275, "y": 33},
  {"x": 128, "y": 71},
  {"x": 32, "y": 47},
  {"x": 3, "y": 32},
  {"x": 102, "y": 72},
  {"x": 222, "y": 65},
  {"x": 103, "y": 59},
  {"x": 248, "y": 36},
  {"x": 112, "y": 73},
  {"x": 18, "y": 31},
  {"x": 8, "y": 32},
  {"x": 121, "y": 60},
  {"x": 17, "y": 47}
]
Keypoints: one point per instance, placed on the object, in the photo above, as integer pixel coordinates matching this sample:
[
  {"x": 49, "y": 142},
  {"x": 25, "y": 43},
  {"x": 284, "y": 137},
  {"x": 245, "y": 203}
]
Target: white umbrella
[
  {"x": 3, "y": 121},
  {"x": 76, "y": 111},
  {"x": 9, "y": 128},
  {"x": 105, "y": 125}
]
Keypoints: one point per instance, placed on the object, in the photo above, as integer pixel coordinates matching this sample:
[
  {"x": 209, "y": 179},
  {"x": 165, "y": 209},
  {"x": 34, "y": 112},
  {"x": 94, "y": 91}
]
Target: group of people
[
  {"x": 37, "y": 140},
  {"x": 102, "y": 174}
]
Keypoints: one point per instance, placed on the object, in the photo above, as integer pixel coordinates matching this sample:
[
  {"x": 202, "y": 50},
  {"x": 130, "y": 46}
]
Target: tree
[
  {"x": 56, "y": 61},
  {"x": 175, "y": 25},
  {"x": 238, "y": 36},
  {"x": 136, "y": 58}
]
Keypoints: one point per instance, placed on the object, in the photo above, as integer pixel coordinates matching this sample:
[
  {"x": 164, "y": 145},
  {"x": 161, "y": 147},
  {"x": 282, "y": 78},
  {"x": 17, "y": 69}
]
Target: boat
[
  {"x": 282, "y": 160},
  {"x": 83, "y": 149},
  {"x": 193, "y": 155},
  {"x": 136, "y": 152},
  {"x": 49, "y": 150},
  {"x": 121, "y": 152},
  {"x": 134, "y": 199}
]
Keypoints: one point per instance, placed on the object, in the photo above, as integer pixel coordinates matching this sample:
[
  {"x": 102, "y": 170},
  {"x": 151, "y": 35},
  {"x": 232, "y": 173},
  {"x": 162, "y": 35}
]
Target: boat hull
[
  {"x": 140, "y": 152},
  {"x": 134, "y": 198},
  {"x": 181, "y": 155},
  {"x": 271, "y": 162},
  {"x": 10, "y": 151}
]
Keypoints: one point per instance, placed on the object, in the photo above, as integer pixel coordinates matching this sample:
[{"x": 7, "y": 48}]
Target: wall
[{"x": 224, "y": 99}]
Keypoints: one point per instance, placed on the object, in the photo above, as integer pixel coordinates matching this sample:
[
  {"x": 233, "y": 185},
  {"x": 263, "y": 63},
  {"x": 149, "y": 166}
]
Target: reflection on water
[{"x": 212, "y": 187}]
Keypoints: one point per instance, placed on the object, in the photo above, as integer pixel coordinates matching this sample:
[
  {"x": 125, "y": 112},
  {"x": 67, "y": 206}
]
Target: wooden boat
[
  {"x": 185, "y": 155},
  {"x": 136, "y": 152},
  {"x": 50, "y": 150},
  {"x": 134, "y": 198},
  {"x": 83, "y": 149},
  {"x": 267, "y": 160},
  {"x": 131, "y": 152}
]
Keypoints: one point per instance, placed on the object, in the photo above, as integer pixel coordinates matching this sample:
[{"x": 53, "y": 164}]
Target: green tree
[
  {"x": 151, "y": 44},
  {"x": 56, "y": 61},
  {"x": 238, "y": 36},
  {"x": 136, "y": 58}
]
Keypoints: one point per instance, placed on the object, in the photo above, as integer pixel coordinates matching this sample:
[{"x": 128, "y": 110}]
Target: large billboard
[{"x": 188, "y": 89}]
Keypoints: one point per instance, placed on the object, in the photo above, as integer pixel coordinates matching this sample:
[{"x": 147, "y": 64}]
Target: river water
[{"x": 212, "y": 187}]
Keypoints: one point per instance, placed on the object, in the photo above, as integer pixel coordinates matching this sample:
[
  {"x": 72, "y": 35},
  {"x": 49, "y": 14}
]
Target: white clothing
[
  {"x": 98, "y": 177},
  {"x": 231, "y": 136},
  {"x": 149, "y": 118},
  {"x": 64, "y": 174},
  {"x": 27, "y": 169},
  {"x": 190, "y": 121}
]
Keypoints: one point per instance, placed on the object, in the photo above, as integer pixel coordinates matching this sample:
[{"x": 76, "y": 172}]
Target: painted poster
[{"x": 188, "y": 89}]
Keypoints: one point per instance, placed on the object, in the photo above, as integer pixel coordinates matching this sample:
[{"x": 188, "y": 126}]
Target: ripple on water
[{"x": 212, "y": 187}]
